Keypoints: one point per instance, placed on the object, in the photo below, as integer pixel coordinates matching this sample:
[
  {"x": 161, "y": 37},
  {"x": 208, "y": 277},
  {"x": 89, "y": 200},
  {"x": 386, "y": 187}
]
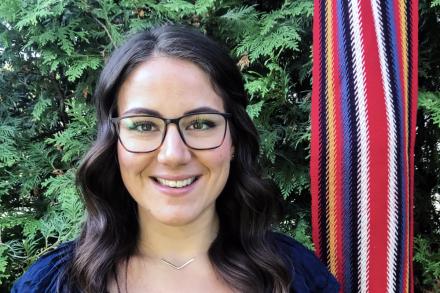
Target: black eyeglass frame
[{"x": 115, "y": 122}]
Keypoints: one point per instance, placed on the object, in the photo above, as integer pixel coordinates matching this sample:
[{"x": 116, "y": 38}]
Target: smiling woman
[
  {"x": 173, "y": 182},
  {"x": 174, "y": 196}
]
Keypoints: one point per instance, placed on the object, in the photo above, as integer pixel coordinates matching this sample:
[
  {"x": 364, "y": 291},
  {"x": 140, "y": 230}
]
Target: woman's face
[{"x": 172, "y": 87}]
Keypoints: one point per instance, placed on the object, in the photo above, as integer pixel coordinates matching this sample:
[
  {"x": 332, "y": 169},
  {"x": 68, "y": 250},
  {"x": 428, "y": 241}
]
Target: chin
[
  {"x": 177, "y": 221},
  {"x": 176, "y": 218}
]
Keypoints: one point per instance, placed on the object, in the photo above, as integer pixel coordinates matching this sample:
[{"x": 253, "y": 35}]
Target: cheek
[
  {"x": 123, "y": 159},
  {"x": 220, "y": 161},
  {"x": 130, "y": 163}
]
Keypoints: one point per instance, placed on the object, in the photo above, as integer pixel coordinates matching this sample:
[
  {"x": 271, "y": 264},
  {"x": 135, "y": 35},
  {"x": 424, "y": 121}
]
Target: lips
[{"x": 175, "y": 183}]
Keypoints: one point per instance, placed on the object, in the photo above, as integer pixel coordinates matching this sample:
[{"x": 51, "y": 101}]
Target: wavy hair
[{"x": 243, "y": 253}]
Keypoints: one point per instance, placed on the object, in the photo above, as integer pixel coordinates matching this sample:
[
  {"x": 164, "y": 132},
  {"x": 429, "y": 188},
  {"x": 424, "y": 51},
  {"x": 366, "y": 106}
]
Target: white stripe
[
  {"x": 392, "y": 152},
  {"x": 363, "y": 157}
]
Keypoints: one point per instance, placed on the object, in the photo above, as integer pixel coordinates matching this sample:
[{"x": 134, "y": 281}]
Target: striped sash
[{"x": 364, "y": 103}]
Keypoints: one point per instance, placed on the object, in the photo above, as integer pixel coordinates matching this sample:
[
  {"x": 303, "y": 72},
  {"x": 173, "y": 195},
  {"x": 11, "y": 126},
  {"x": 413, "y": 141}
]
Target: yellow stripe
[
  {"x": 405, "y": 85},
  {"x": 403, "y": 27},
  {"x": 332, "y": 160}
]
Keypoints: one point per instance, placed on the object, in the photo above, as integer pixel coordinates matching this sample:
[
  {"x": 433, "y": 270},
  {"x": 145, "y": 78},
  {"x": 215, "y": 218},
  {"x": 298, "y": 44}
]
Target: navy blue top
[{"x": 309, "y": 274}]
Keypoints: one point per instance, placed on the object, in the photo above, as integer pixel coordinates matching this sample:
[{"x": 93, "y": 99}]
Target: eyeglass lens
[{"x": 146, "y": 133}]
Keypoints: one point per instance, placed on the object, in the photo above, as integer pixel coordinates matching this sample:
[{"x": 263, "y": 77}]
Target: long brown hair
[{"x": 243, "y": 253}]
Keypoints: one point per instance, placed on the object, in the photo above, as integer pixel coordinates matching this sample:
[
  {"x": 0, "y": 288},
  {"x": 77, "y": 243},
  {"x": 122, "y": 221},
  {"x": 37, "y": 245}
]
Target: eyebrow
[
  {"x": 146, "y": 111},
  {"x": 141, "y": 111},
  {"x": 201, "y": 110}
]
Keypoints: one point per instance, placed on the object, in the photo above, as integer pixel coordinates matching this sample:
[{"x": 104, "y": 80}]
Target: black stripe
[
  {"x": 323, "y": 167},
  {"x": 410, "y": 66}
]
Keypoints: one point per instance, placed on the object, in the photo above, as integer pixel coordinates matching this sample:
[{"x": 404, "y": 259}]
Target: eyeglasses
[{"x": 146, "y": 133}]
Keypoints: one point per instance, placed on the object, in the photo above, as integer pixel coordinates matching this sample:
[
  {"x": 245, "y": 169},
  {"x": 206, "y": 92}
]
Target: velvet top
[{"x": 309, "y": 274}]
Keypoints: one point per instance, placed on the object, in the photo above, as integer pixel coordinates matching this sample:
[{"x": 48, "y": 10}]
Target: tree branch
[
  {"x": 61, "y": 111},
  {"x": 105, "y": 28}
]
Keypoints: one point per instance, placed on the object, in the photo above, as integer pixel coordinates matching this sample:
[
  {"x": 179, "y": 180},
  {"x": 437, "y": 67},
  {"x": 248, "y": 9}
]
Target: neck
[{"x": 177, "y": 244}]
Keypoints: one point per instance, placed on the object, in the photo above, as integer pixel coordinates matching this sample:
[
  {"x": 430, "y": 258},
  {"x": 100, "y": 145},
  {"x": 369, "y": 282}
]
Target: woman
[{"x": 172, "y": 187}]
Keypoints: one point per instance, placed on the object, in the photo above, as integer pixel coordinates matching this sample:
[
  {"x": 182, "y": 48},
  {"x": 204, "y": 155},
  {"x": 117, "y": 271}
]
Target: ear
[{"x": 232, "y": 152}]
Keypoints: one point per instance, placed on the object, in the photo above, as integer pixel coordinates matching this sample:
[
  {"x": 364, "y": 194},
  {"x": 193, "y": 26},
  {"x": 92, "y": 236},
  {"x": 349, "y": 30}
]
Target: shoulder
[
  {"x": 308, "y": 272},
  {"x": 46, "y": 274}
]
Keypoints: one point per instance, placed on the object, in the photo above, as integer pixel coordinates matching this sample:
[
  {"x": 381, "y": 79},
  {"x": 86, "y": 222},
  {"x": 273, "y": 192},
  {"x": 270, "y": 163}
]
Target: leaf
[
  {"x": 31, "y": 227},
  {"x": 268, "y": 141},
  {"x": 40, "y": 107},
  {"x": 239, "y": 22},
  {"x": 9, "y": 9},
  {"x": 8, "y": 151},
  {"x": 80, "y": 64},
  {"x": 31, "y": 14},
  {"x": 254, "y": 109},
  {"x": 177, "y": 8},
  {"x": 204, "y": 6},
  {"x": 302, "y": 232},
  {"x": 76, "y": 138},
  {"x": 3, "y": 262},
  {"x": 428, "y": 257},
  {"x": 289, "y": 182},
  {"x": 430, "y": 101}
]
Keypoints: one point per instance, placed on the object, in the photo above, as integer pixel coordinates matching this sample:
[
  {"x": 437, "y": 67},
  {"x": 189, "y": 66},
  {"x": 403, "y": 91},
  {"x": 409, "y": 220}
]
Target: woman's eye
[
  {"x": 201, "y": 125},
  {"x": 143, "y": 126}
]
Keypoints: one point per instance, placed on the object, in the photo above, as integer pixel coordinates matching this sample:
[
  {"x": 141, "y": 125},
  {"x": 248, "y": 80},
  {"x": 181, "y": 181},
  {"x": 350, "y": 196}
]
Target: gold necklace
[{"x": 162, "y": 260}]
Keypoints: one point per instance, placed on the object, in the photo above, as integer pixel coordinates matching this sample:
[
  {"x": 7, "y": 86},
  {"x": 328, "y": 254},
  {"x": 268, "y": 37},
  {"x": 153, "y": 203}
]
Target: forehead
[{"x": 168, "y": 85}]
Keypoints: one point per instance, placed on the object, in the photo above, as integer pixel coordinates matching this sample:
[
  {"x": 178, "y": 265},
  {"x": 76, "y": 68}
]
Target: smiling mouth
[{"x": 175, "y": 183}]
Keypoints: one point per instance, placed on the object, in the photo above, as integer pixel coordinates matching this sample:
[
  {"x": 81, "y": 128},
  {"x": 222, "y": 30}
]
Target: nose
[{"x": 173, "y": 151}]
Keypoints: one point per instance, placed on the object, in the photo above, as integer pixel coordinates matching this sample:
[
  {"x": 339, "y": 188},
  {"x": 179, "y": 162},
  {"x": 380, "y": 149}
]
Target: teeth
[{"x": 176, "y": 183}]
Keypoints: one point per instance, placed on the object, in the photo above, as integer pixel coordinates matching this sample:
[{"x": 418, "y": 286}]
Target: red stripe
[
  {"x": 378, "y": 153},
  {"x": 315, "y": 131},
  {"x": 414, "y": 65}
]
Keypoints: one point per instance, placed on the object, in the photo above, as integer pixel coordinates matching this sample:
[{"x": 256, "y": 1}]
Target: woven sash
[{"x": 364, "y": 103}]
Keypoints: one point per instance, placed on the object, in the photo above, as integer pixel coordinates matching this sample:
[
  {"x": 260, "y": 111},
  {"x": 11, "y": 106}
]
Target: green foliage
[
  {"x": 76, "y": 139},
  {"x": 3, "y": 263},
  {"x": 48, "y": 66},
  {"x": 51, "y": 54},
  {"x": 427, "y": 152},
  {"x": 302, "y": 231},
  {"x": 430, "y": 102},
  {"x": 8, "y": 151},
  {"x": 427, "y": 256}
]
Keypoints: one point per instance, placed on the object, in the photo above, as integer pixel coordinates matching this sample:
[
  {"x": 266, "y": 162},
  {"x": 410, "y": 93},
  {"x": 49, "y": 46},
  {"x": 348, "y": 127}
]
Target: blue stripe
[{"x": 350, "y": 154}]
